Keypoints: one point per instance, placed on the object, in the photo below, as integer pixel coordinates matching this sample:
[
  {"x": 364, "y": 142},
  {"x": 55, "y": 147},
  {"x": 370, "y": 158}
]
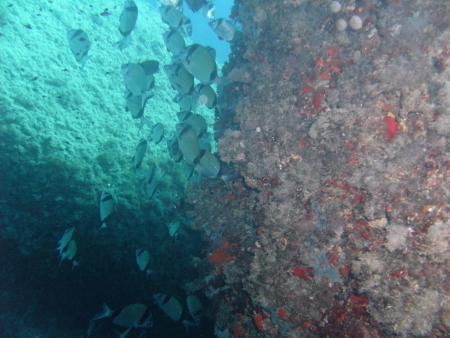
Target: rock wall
[{"x": 339, "y": 129}]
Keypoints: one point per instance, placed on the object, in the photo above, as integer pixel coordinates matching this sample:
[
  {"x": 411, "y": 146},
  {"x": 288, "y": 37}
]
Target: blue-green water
[{"x": 156, "y": 181}]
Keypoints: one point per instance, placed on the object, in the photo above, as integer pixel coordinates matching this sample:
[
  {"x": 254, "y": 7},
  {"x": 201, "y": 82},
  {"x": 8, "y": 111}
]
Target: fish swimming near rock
[
  {"x": 174, "y": 150},
  {"x": 180, "y": 79},
  {"x": 200, "y": 62},
  {"x": 106, "y": 208},
  {"x": 65, "y": 239},
  {"x": 79, "y": 44},
  {"x": 188, "y": 142},
  {"x": 175, "y": 19},
  {"x": 132, "y": 316},
  {"x": 173, "y": 229},
  {"x": 135, "y": 104},
  {"x": 143, "y": 260},
  {"x": 204, "y": 142},
  {"x": 205, "y": 95},
  {"x": 207, "y": 165},
  {"x": 224, "y": 28},
  {"x": 195, "y": 307},
  {"x": 156, "y": 133},
  {"x": 139, "y": 80},
  {"x": 127, "y": 22},
  {"x": 139, "y": 153},
  {"x": 67, "y": 247},
  {"x": 70, "y": 252},
  {"x": 174, "y": 41},
  {"x": 197, "y": 123},
  {"x": 169, "y": 305},
  {"x": 184, "y": 101},
  {"x": 138, "y": 77}
]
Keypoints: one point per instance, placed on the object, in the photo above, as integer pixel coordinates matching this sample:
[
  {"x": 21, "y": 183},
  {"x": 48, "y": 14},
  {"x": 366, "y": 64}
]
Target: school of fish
[{"x": 193, "y": 74}]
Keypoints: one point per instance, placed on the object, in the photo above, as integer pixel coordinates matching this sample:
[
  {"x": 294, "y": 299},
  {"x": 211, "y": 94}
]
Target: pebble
[
  {"x": 356, "y": 22},
  {"x": 341, "y": 25},
  {"x": 335, "y": 6}
]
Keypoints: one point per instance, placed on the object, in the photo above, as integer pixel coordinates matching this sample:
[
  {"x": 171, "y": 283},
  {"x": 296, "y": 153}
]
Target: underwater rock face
[
  {"x": 339, "y": 143},
  {"x": 327, "y": 215}
]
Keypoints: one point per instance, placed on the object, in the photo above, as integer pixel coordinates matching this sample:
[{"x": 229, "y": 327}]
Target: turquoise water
[
  {"x": 67, "y": 138},
  {"x": 203, "y": 34}
]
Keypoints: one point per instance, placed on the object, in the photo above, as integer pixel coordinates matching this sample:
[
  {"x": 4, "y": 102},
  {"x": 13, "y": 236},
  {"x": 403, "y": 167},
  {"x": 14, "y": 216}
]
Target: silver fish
[
  {"x": 170, "y": 305},
  {"x": 139, "y": 154},
  {"x": 174, "y": 18},
  {"x": 79, "y": 44},
  {"x": 174, "y": 41},
  {"x": 135, "y": 104},
  {"x": 174, "y": 150},
  {"x": 142, "y": 259},
  {"x": 200, "y": 62},
  {"x": 106, "y": 207},
  {"x": 197, "y": 123},
  {"x": 156, "y": 133},
  {"x": 136, "y": 79},
  {"x": 205, "y": 95},
  {"x": 65, "y": 239},
  {"x": 132, "y": 316},
  {"x": 207, "y": 165},
  {"x": 224, "y": 28},
  {"x": 127, "y": 21},
  {"x": 180, "y": 79},
  {"x": 69, "y": 252},
  {"x": 195, "y": 307},
  {"x": 184, "y": 101},
  {"x": 188, "y": 143}
]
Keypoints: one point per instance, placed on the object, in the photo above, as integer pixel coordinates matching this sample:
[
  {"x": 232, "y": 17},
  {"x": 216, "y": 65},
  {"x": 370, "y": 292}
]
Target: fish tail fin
[
  {"x": 103, "y": 226},
  {"x": 104, "y": 313},
  {"x": 123, "y": 43},
  {"x": 107, "y": 310}
]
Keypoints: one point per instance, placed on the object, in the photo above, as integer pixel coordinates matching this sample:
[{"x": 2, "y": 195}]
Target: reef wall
[{"x": 338, "y": 121}]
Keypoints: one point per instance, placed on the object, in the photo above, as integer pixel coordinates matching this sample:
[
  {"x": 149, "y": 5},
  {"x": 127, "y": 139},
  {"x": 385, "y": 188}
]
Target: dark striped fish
[{"x": 200, "y": 62}]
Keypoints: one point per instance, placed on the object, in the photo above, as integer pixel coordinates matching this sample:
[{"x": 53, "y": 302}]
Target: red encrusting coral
[
  {"x": 392, "y": 127},
  {"x": 305, "y": 273},
  {"x": 358, "y": 304},
  {"x": 259, "y": 320},
  {"x": 221, "y": 255},
  {"x": 282, "y": 313}
]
